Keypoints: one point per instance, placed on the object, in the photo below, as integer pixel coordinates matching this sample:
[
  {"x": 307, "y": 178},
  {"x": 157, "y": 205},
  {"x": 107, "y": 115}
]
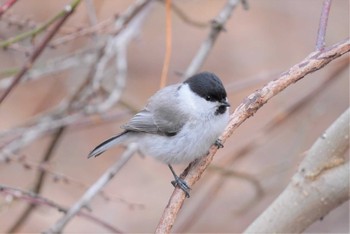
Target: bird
[{"x": 179, "y": 123}]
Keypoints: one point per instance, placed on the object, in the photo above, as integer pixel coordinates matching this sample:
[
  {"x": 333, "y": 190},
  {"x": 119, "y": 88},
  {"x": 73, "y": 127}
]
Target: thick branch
[
  {"x": 320, "y": 185},
  {"x": 246, "y": 109}
]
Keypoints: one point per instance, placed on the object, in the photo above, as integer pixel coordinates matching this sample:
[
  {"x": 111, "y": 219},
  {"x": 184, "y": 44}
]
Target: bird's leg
[
  {"x": 218, "y": 143},
  {"x": 179, "y": 182}
]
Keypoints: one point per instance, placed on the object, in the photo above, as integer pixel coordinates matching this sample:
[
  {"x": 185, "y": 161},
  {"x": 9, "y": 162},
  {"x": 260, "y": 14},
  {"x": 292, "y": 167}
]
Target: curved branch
[
  {"x": 320, "y": 185},
  {"x": 313, "y": 62}
]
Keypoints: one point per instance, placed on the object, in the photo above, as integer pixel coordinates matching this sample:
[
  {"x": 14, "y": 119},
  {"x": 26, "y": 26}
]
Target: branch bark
[
  {"x": 313, "y": 62},
  {"x": 320, "y": 185}
]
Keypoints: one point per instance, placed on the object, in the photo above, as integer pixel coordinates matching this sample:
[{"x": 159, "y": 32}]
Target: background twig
[
  {"x": 7, "y": 5},
  {"x": 321, "y": 35},
  {"x": 68, "y": 10},
  {"x": 93, "y": 190}
]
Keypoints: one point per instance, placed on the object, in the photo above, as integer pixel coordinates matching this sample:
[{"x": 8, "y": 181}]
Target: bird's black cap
[{"x": 208, "y": 86}]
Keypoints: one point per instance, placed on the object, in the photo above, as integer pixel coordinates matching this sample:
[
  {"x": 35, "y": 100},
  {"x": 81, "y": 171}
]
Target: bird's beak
[{"x": 225, "y": 103}]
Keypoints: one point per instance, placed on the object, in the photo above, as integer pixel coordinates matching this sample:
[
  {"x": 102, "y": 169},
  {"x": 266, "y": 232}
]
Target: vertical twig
[
  {"x": 68, "y": 10},
  {"x": 168, "y": 47},
  {"x": 321, "y": 35}
]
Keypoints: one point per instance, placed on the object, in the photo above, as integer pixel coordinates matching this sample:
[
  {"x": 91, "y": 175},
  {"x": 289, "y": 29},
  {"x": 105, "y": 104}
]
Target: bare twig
[
  {"x": 318, "y": 187},
  {"x": 218, "y": 25},
  {"x": 36, "y": 199},
  {"x": 182, "y": 15},
  {"x": 94, "y": 189},
  {"x": 76, "y": 108},
  {"x": 36, "y": 31},
  {"x": 321, "y": 35},
  {"x": 168, "y": 47},
  {"x": 91, "y": 12},
  {"x": 71, "y": 60},
  {"x": 7, "y": 5},
  {"x": 246, "y": 109},
  {"x": 99, "y": 27},
  {"x": 116, "y": 49},
  {"x": 68, "y": 10},
  {"x": 39, "y": 181}
]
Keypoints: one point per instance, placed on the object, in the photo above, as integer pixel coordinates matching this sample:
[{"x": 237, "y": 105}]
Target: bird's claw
[
  {"x": 218, "y": 143},
  {"x": 178, "y": 182}
]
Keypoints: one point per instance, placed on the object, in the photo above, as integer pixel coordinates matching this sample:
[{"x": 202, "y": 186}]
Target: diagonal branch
[
  {"x": 218, "y": 25},
  {"x": 7, "y": 5},
  {"x": 249, "y": 106},
  {"x": 93, "y": 190}
]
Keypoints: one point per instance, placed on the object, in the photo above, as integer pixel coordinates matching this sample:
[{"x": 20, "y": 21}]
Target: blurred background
[{"x": 49, "y": 138}]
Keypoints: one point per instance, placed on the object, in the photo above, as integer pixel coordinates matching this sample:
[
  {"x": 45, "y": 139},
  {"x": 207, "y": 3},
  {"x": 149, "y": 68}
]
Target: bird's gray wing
[{"x": 161, "y": 116}]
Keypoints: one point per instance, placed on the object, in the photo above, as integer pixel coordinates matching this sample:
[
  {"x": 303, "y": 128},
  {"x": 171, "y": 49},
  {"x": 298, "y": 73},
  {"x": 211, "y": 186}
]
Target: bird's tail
[{"x": 115, "y": 140}]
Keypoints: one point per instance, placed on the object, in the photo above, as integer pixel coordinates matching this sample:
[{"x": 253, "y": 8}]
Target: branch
[
  {"x": 7, "y": 5},
  {"x": 93, "y": 190},
  {"x": 257, "y": 140},
  {"x": 36, "y": 199},
  {"x": 321, "y": 35},
  {"x": 39, "y": 181},
  {"x": 249, "y": 106},
  {"x": 68, "y": 10},
  {"x": 218, "y": 25},
  {"x": 74, "y": 109},
  {"x": 168, "y": 44},
  {"x": 318, "y": 186}
]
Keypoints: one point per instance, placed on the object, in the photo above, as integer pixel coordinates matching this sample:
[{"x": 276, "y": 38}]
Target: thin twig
[
  {"x": 94, "y": 29},
  {"x": 36, "y": 199},
  {"x": 217, "y": 26},
  {"x": 246, "y": 109},
  {"x": 68, "y": 10},
  {"x": 7, "y": 5},
  {"x": 39, "y": 181},
  {"x": 182, "y": 15},
  {"x": 321, "y": 35},
  {"x": 168, "y": 44},
  {"x": 94, "y": 189},
  {"x": 74, "y": 109},
  {"x": 36, "y": 31}
]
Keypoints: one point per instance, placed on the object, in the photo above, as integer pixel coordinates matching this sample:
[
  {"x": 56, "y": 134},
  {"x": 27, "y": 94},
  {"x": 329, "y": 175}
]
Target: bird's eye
[{"x": 209, "y": 98}]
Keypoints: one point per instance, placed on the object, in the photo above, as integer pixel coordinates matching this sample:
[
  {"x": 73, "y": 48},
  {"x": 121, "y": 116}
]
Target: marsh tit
[{"x": 179, "y": 123}]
